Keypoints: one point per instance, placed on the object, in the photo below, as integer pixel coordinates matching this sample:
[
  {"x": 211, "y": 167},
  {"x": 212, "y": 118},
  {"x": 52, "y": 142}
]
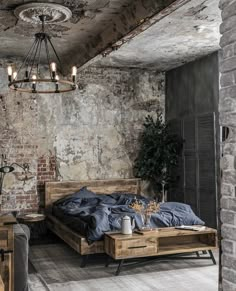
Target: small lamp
[{"x": 4, "y": 170}]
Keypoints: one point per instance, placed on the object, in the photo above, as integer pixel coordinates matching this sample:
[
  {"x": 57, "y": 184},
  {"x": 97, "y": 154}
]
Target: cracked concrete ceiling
[
  {"x": 187, "y": 33},
  {"x": 180, "y": 34}
]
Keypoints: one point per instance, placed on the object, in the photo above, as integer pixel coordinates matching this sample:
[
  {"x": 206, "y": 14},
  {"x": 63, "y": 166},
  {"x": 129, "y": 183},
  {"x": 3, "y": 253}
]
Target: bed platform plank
[
  {"x": 72, "y": 238},
  {"x": 58, "y": 189}
]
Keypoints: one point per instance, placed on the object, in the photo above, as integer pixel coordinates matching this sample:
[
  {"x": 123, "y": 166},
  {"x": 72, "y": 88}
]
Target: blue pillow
[
  {"x": 76, "y": 197},
  {"x": 181, "y": 214},
  {"x": 84, "y": 193}
]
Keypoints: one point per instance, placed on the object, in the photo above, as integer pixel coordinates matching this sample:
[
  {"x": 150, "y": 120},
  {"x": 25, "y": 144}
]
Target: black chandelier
[{"x": 28, "y": 77}]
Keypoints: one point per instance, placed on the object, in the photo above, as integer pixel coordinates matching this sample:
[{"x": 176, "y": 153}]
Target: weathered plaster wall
[
  {"x": 227, "y": 108},
  {"x": 87, "y": 134}
]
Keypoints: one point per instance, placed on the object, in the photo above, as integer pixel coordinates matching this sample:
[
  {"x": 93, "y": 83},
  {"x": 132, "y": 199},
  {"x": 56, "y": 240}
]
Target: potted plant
[{"x": 159, "y": 151}]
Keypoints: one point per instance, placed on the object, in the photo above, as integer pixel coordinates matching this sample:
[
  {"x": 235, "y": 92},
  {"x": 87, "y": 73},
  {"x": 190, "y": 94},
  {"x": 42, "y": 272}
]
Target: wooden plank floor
[
  {"x": 189, "y": 275},
  {"x": 194, "y": 279}
]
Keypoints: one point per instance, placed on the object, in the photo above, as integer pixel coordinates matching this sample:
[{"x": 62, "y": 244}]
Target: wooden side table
[
  {"x": 32, "y": 217},
  {"x": 162, "y": 242},
  {"x": 34, "y": 222}
]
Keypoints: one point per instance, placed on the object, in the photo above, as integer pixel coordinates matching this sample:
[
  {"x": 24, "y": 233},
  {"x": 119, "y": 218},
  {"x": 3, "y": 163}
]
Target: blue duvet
[{"x": 92, "y": 214}]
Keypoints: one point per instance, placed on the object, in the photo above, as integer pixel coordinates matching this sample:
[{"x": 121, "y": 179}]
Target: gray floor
[{"x": 56, "y": 268}]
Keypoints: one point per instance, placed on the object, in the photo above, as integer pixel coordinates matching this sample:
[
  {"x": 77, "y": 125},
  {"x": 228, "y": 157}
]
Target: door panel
[{"x": 196, "y": 172}]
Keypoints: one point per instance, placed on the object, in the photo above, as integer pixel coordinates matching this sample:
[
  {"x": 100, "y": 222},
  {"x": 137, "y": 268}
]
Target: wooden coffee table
[{"x": 160, "y": 242}]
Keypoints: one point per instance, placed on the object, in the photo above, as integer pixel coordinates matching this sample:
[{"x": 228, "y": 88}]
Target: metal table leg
[
  {"x": 119, "y": 267},
  {"x": 109, "y": 259},
  {"x": 212, "y": 257},
  {"x": 84, "y": 261}
]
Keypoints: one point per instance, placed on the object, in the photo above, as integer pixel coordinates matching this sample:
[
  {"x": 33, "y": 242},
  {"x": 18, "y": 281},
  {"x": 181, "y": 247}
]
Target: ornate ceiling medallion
[{"x": 54, "y": 13}]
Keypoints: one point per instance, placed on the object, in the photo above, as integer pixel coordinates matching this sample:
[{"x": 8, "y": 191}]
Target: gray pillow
[{"x": 181, "y": 214}]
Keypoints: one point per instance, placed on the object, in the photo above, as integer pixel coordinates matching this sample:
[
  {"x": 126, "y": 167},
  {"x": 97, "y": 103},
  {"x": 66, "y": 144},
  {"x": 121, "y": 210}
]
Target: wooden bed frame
[{"x": 57, "y": 190}]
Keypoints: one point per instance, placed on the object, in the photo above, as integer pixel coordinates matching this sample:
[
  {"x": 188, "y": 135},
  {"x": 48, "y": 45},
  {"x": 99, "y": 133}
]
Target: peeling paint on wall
[{"x": 87, "y": 134}]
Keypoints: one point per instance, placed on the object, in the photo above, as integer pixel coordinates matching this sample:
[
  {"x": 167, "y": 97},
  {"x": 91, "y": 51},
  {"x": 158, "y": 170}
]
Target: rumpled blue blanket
[{"x": 93, "y": 214}]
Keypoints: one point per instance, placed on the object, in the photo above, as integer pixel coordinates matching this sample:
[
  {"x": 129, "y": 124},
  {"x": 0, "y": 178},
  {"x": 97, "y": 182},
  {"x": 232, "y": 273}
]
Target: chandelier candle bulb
[
  {"x": 34, "y": 82},
  {"x": 57, "y": 86},
  {"x": 9, "y": 71},
  {"x": 34, "y": 78},
  {"x": 14, "y": 75},
  {"x": 53, "y": 68},
  {"x": 74, "y": 72}
]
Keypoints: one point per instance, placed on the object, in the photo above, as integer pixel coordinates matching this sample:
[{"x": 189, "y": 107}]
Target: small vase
[{"x": 146, "y": 221}]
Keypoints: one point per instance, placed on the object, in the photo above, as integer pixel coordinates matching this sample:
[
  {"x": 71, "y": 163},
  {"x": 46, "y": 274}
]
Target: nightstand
[{"x": 36, "y": 224}]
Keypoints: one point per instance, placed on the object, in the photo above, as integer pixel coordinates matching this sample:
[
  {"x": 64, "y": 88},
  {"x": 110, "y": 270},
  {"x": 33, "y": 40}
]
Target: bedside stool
[{"x": 36, "y": 224}]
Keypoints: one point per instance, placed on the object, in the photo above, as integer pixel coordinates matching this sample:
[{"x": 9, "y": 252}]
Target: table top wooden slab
[
  {"x": 160, "y": 232},
  {"x": 31, "y": 217},
  {"x": 7, "y": 219}
]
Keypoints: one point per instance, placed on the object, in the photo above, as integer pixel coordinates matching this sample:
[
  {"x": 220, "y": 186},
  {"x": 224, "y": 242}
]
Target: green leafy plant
[{"x": 159, "y": 151}]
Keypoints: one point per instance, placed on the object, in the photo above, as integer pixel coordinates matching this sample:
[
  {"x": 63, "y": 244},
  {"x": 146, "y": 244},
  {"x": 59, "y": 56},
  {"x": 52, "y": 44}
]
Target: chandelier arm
[
  {"x": 48, "y": 56},
  {"x": 29, "y": 54},
  {"x": 34, "y": 57},
  {"x": 26, "y": 58},
  {"x": 39, "y": 55},
  {"x": 59, "y": 61}
]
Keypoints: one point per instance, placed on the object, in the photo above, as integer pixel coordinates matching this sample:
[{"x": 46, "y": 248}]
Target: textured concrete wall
[
  {"x": 227, "y": 109},
  {"x": 88, "y": 134}
]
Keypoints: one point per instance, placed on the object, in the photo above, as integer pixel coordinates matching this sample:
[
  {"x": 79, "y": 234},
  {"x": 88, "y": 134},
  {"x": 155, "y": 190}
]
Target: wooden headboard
[{"x": 59, "y": 189}]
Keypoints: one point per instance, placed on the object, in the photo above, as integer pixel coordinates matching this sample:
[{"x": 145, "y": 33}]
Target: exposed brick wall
[
  {"x": 19, "y": 189},
  {"x": 87, "y": 134},
  {"x": 46, "y": 171},
  {"x": 227, "y": 108}
]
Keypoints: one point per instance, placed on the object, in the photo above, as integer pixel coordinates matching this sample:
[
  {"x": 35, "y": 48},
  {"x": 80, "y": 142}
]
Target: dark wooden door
[
  {"x": 192, "y": 98},
  {"x": 195, "y": 178}
]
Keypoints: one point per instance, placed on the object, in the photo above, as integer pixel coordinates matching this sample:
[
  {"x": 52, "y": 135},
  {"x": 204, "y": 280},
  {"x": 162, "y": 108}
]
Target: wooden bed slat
[{"x": 59, "y": 189}]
